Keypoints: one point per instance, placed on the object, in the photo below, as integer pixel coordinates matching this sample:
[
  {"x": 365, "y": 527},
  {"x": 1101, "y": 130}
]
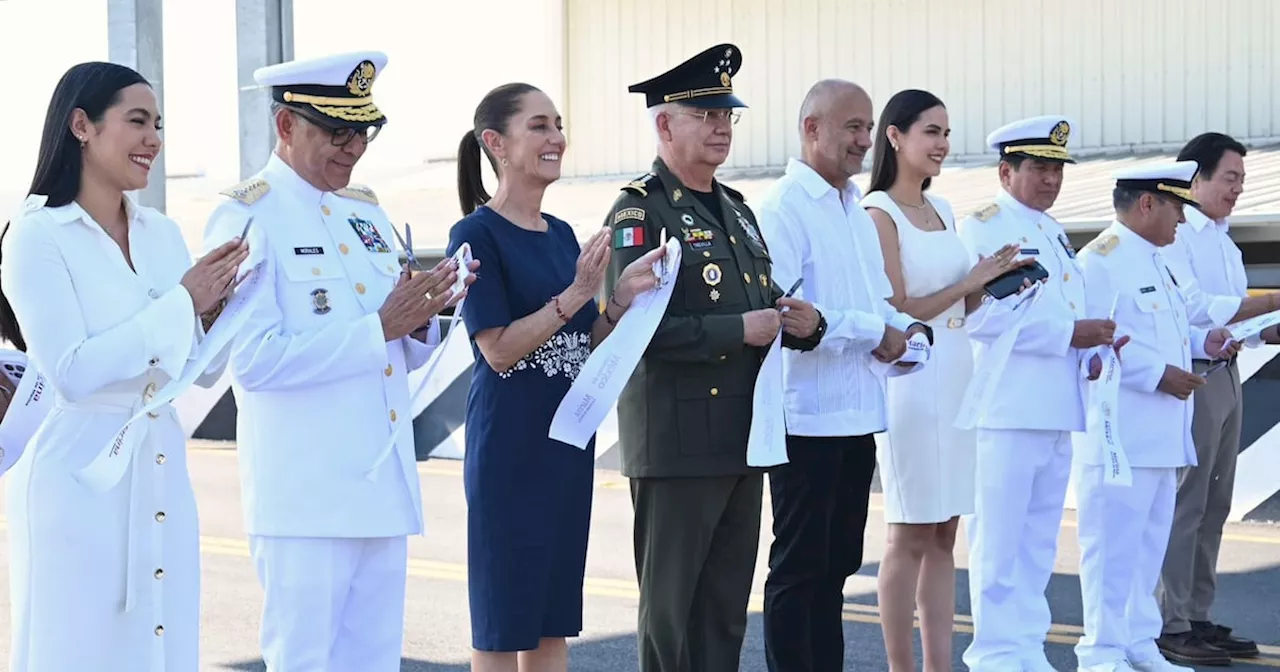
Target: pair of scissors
[{"x": 406, "y": 242}]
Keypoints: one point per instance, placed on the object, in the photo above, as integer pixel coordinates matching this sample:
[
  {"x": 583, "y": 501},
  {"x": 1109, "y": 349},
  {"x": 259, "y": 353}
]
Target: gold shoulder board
[
  {"x": 359, "y": 192},
  {"x": 640, "y": 186},
  {"x": 249, "y": 191},
  {"x": 987, "y": 212},
  {"x": 1103, "y": 244}
]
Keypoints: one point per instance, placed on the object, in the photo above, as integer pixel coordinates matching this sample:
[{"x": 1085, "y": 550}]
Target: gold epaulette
[
  {"x": 987, "y": 212},
  {"x": 359, "y": 192},
  {"x": 1103, "y": 244},
  {"x": 640, "y": 186},
  {"x": 249, "y": 191}
]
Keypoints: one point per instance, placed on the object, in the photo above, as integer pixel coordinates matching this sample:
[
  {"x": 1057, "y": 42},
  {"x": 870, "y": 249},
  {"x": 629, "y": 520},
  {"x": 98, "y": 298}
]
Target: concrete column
[
  {"x": 264, "y": 36},
  {"x": 135, "y": 37}
]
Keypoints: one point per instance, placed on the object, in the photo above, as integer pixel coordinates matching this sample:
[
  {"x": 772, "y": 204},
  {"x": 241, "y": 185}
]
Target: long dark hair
[
  {"x": 902, "y": 110},
  {"x": 93, "y": 87},
  {"x": 494, "y": 112}
]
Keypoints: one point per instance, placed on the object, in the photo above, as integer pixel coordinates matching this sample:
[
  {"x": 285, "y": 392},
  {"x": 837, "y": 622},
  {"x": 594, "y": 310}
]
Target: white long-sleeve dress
[{"x": 105, "y": 573}]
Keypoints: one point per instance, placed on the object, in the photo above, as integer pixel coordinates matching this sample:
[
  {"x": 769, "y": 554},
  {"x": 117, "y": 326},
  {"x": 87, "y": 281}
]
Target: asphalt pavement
[{"x": 437, "y": 633}]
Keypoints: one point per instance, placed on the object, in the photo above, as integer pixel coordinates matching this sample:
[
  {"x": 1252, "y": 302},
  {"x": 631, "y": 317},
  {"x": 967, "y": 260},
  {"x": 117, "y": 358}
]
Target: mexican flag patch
[{"x": 630, "y": 236}]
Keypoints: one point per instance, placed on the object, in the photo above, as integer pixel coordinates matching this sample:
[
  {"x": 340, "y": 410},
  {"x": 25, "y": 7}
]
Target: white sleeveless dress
[{"x": 927, "y": 465}]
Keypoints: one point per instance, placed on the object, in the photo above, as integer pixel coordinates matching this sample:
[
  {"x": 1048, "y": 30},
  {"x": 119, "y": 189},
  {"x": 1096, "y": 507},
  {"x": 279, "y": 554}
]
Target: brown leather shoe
[
  {"x": 1189, "y": 648},
  {"x": 1220, "y": 636}
]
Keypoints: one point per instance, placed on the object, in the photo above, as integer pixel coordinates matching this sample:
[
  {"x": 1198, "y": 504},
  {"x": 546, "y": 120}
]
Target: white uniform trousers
[
  {"x": 1124, "y": 532},
  {"x": 1022, "y": 480},
  {"x": 331, "y": 605}
]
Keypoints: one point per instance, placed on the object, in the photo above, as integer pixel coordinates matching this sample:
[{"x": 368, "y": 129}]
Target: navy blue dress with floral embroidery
[{"x": 528, "y": 496}]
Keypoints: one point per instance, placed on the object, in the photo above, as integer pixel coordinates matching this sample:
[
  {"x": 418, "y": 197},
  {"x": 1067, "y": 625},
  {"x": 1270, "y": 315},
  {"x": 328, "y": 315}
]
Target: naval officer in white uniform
[
  {"x": 1124, "y": 529},
  {"x": 319, "y": 375},
  {"x": 1024, "y": 437}
]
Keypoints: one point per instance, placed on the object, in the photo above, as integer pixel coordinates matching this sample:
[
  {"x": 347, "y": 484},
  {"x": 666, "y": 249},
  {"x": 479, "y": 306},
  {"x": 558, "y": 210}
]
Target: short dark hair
[
  {"x": 1207, "y": 149},
  {"x": 1123, "y": 198},
  {"x": 902, "y": 110},
  {"x": 1015, "y": 160},
  {"x": 494, "y": 112}
]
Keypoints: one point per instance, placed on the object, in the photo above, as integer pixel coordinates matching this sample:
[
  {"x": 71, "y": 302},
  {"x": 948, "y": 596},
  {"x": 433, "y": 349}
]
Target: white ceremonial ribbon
[
  {"x": 767, "y": 442},
  {"x": 1253, "y": 326},
  {"x": 463, "y": 256},
  {"x": 109, "y": 466},
  {"x": 913, "y": 359},
  {"x": 1102, "y": 426},
  {"x": 607, "y": 370},
  {"x": 982, "y": 387},
  {"x": 27, "y": 409}
]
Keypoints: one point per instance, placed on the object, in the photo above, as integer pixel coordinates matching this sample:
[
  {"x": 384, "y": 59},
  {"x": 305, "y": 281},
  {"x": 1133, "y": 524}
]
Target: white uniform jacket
[
  {"x": 318, "y": 388},
  {"x": 1125, "y": 270},
  {"x": 1041, "y": 387}
]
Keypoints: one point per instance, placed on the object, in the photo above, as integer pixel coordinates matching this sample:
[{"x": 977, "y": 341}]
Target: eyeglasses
[
  {"x": 718, "y": 116},
  {"x": 342, "y": 136}
]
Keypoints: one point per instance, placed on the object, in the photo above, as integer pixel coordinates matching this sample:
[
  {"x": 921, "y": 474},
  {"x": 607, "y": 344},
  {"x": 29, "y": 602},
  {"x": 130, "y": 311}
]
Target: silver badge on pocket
[{"x": 320, "y": 301}]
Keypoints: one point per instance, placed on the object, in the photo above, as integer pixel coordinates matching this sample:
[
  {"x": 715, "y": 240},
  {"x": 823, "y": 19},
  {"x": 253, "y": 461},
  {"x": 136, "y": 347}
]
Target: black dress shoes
[
  {"x": 1220, "y": 636},
  {"x": 1191, "y": 649}
]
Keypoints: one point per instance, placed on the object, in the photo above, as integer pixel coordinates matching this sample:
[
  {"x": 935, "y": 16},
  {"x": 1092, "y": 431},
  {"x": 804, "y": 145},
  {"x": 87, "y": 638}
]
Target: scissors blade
[{"x": 408, "y": 250}]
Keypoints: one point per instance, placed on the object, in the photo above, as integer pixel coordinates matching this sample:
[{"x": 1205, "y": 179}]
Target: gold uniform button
[
  {"x": 724, "y": 357},
  {"x": 388, "y": 370},
  {"x": 315, "y": 270},
  {"x": 359, "y": 288},
  {"x": 159, "y": 574},
  {"x": 733, "y": 240},
  {"x": 159, "y": 516},
  {"x": 325, "y": 210},
  {"x": 159, "y": 630},
  {"x": 706, "y": 253},
  {"x": 1066, "y": 277},
  {"x": 764, "y": 280},
  {"x": 715, "y": 391},
  {"x": 160, "y": 458},
  {"x": 747, "y": 277},
  {"x": 342, "y": 247},
  {"x": 393, "y": 415}
]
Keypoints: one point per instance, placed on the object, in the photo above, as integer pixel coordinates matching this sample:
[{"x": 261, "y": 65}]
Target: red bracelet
[{"x": 559, "y": 313}]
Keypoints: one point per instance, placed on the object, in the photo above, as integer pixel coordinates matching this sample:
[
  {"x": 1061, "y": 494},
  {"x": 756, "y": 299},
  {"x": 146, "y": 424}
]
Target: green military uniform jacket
[{"x": 686, "y": 411}]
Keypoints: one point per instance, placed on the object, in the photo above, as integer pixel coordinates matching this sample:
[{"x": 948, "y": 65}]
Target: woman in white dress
[
  {"x": 927, "y": 466},
  {"x": 102, "y": 294}
]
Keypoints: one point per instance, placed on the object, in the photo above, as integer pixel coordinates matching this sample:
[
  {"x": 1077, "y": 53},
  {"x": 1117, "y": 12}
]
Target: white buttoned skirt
[{"x": 105, "y": 581}]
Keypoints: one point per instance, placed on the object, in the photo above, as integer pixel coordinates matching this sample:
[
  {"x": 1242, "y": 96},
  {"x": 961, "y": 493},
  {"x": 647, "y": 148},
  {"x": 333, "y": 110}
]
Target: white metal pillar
[
  {"x": 135, "y": 37},
  {"x": 264, "y": 36}
]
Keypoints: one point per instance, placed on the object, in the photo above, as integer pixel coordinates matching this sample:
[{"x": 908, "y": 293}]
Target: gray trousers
[{"x": 1190, "y": 574}]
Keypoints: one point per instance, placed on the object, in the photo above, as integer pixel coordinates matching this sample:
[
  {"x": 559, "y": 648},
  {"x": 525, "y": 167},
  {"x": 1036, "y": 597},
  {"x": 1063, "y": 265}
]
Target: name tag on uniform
[
  {"x": 1147, "y": 290},
  {"x": 308, "y": 250},
  {"x": 1029, "y": 250}
]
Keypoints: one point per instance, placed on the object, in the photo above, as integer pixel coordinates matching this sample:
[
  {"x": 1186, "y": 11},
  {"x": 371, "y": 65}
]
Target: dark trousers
[
  {"x": 696, "y": 541},
  {"x": 820, "y": 500}
]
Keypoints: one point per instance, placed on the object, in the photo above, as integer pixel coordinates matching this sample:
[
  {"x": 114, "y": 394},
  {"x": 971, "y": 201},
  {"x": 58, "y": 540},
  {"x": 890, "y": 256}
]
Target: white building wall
[{"x": 1136, "y": 74}]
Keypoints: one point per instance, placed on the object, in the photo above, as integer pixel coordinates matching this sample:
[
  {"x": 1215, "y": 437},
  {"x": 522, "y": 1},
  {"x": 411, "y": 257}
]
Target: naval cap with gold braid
[
  {"x": 337, "y": 87},
  {"x": 1168, "y": 178},
  {"x": 705, "y": 81},
  {"x": 1044, "y": 137}
]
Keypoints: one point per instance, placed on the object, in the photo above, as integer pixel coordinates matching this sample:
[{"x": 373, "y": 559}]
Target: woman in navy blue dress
[{"x": 533, "y": 321}]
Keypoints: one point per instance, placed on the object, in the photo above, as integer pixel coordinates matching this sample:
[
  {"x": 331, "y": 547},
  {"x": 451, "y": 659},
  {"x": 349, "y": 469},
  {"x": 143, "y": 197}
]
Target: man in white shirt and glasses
[
  {"x": 1210, "y": 268},
  {"x": 818, "y": 234}
]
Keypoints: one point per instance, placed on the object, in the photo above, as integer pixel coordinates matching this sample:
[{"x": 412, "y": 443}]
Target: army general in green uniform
[{"x": 685, "y": 414}]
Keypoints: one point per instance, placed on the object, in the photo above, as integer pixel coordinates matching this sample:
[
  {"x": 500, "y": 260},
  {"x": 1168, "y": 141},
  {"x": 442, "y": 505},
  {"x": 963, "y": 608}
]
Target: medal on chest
[
  {"x": 368, "y": 234},
  {"x": 749, "y": 229},
  {"x": 1066, "y": 245}
]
